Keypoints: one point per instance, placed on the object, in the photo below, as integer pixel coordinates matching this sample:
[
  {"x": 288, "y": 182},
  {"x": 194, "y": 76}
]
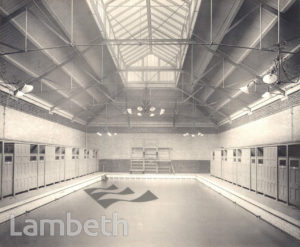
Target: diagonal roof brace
[{"x": 80, "y": 91}]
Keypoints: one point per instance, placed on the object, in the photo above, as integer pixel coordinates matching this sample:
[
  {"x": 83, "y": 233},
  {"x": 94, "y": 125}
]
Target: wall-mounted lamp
[{"x": 23, "y": 90}]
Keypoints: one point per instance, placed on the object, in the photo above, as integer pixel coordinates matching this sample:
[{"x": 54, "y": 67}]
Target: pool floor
[{"x": 157, "y": 212}]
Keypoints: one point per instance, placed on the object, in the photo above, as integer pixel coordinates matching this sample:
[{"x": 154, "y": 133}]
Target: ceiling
[{"x": 90, "y": 60}]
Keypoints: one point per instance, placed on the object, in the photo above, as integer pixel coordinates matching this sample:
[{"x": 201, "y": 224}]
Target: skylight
[{"x": 146, "y": 38}]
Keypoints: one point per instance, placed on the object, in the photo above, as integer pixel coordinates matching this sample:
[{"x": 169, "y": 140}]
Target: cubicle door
[
  {"x": 218, "y": 163},
  {"x": 270, "y": 171},
  {"x": 294, "y": 181},
  {"x": 21, "y": 167},
  {"x": 8, "y": 169},
  {"x": 259, "y": 174},
  {"x": 246, "y": 167},
  {"x": 282, "y": 179},
  {"x": 41, "y": 170},
  {"x": 50, "y": 165},
  {"x": 212, "y": 164},
  {"x": 7, "y": 182},
  {"x": 253, "y": 174},
  {"x": 229, "y": 165},
  {"x": 1, "y": 169}
]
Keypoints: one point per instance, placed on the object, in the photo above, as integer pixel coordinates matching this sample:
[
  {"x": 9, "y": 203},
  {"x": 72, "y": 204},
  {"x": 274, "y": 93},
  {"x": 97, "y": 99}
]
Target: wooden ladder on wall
[{"x": 137, "y": 165}]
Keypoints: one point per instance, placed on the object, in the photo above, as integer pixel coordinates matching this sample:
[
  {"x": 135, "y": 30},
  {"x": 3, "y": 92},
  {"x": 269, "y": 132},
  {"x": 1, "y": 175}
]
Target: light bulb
[{"x": 152, "y": 108}]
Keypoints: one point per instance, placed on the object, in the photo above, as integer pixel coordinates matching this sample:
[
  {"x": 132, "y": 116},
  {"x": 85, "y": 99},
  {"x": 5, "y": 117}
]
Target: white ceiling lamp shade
[
  {"x": 152, "y": 114},
  {"x": 270, "y": 78},
  {"x": 200, "y": 134},
  {"x": 139, "y": 108},
  {"x": 109, "y": 134},
  {"x": 266, "y": 95},
  {"x": 23, "y": 90},
  {"x": 162, "y": 111},
  {"x": 186, "y": 134},
  {"x": 245, "y": 89},
  {"x": 99, "y": 133},
  {"x": 152, "y": 108},
  {"x": 129, "y": 110},
  {"x": 18, "y": 93},
  {"x": 115, "y": 134},
  {"x": 193, "y": 135},
  {"x": 139, "y": 114}
]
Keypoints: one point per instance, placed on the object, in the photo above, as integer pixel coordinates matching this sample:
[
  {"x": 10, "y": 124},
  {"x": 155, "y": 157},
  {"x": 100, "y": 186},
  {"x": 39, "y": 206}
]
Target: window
[
  {"x": 294, "y": 150},
  {"x": 1, "y": 147},
  {"x": 42, "y": 149},
  {"x": 234, "y": 155},
  {"x": 8, "y": 158},
  {"x": 281, "y": 151},
  {"x": 213, "y": 155},
  {"x": 57, "y": 150},
  {"x": 9, "y": 148},
  {"x": 33, "y": 149},
  {"x": 32, "y": 158},
  {"x": 56, "y": 157},
  {"x": 252, "y": 152},
  {"x": 260, "y": 161},
  {"x": 239, "y": 154},
  {"x": 42, "y": 158},
  {"x": 63, "y": 151},
  {"x": 260, "y": 151},
  {"x": 294, "y": 163},
  {"x": 282, "y": 162}
]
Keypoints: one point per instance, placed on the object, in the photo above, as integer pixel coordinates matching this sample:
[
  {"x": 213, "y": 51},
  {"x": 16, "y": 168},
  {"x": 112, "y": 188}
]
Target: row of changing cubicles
[
  {"x": 26, "y": 166},
  {"x": 273, "y": 170}
]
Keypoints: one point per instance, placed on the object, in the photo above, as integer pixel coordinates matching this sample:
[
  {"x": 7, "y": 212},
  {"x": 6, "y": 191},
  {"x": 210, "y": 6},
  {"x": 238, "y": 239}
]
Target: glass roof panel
[{"x": 150, "y": 36}]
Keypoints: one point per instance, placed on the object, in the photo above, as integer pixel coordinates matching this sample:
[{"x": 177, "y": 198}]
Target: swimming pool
[{"x": 157, "y": 212}]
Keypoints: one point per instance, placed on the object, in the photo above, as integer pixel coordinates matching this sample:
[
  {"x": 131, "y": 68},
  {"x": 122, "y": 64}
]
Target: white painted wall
[
  {"x": 280, "y": 127},
  {"x": 184, "y": 148},
  {"x": 24, "y": 127}
]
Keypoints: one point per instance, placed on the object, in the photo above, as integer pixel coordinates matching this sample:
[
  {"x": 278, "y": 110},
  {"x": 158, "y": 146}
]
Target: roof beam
[
  {"x": 79, "y": 92},
  {"x": 89, "y": 70},
  {"x": 203, "y": 103},
  {"x": 8, "y": 18},
  {"x": 96, "y": 114},
  {"x": 272, "y": 10},
  {"x": 220, "y": 35},
  {"x": 149, "y": 23},
  {"x": 34, "y": 40},
  {"x": 37, "y": 77},
  {"x": 141, "y": 68},
  {"x": 222, "y": 104}
]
